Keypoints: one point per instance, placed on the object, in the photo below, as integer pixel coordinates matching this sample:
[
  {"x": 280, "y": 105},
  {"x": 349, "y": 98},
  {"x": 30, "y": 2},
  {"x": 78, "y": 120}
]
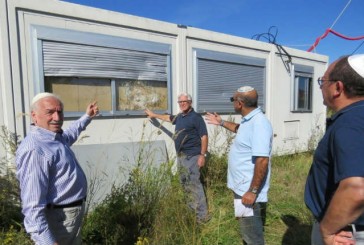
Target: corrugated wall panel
[
  {"x": 217, "y": 81},
  {"x": 70, "y": 59}
]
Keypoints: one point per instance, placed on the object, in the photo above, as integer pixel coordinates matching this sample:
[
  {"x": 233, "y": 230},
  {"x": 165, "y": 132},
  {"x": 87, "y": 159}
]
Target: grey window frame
[
  {"x": 235, "y": 71},
  {"x": 306, "y": 72},
  {"x": 42, "y": 34}
]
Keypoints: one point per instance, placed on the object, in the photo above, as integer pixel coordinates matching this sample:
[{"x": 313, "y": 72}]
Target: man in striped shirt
[{"x": 53, "y": 185}]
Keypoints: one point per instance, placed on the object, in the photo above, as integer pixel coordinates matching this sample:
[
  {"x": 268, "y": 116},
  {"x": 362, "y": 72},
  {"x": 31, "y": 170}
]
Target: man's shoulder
[
  {"x": 31, "y": 144},
  {"x": 194, "y": 114},
  {"x": 262, "y": 118}
]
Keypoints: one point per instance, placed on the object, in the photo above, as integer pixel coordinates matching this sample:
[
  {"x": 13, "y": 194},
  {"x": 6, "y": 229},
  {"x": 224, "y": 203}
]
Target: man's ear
[
  {"x": 339, "y": 88},
  {"x": 34, "y": 118}
]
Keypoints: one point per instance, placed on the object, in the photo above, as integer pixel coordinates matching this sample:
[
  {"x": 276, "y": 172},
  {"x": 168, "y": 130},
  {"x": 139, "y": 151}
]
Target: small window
[
  {"x": 302, "y": 88},
  {"x": 303, "y": 93}
]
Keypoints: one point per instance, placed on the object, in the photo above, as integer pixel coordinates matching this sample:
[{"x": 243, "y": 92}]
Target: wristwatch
[
  {"x": 253, "y": 190},
  {"x": 205, "y": 155}
]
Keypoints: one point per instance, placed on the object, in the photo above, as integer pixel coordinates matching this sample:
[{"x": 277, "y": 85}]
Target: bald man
[
  {"x": 53, "y": 186},
  {"x": 249, "y": 163}
]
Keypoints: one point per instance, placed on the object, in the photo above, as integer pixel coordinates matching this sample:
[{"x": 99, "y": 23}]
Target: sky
[{"x": 294, "y": 23}]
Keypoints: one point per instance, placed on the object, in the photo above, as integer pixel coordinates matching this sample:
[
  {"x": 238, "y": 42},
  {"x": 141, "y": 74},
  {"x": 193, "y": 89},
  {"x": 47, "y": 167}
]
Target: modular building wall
[{"x": 128, "y": 63}]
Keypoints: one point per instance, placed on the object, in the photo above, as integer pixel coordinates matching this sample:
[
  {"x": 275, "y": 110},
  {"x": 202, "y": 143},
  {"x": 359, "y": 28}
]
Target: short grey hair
[
  {"x": 189, "y": 97},
  {"x": 43, "y": 95}
]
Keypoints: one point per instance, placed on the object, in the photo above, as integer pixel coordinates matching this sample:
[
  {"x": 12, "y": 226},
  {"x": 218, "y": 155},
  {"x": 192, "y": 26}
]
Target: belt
[
  {"x": 69, "y": 205},
  {"x": 357, "y": 228}
]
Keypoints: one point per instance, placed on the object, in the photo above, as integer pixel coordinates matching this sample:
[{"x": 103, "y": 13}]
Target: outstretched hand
[
  {"x": 150, "y": 114},
  {"x": 92, "y": 109},
  {"x": 213, "y": 118}
]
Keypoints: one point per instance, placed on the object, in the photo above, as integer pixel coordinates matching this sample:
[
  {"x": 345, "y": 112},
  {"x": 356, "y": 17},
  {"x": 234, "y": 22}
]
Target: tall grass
[
  {"x": 150, "y": 208},
  {"x": 11, "y": 228},
  {"x": 288, "y": 220}
]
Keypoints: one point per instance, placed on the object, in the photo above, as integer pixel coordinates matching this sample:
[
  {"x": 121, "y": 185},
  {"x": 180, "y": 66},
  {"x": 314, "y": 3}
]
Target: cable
[
  {"x": 332, "y": 26},
  {"x": 357, "y": 48},
  {"x": 271, "y": 38},
  {"x": 335, "y": 33},
  {"x": 330, "y": 30}
]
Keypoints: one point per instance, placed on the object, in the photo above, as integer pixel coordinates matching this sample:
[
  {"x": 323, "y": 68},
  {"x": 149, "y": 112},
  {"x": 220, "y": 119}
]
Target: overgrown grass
[
  {"x": 171, "y": 222},
  {"x": 151, "y": 208},
  {"x": 288, "y": 220},
  {"x": 11, "y": 229}
]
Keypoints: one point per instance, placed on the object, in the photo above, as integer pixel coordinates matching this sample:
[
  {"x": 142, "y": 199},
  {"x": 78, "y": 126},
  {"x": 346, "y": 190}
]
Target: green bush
[
  {"x": 11, "y": 218},
  {"x": 10, "y": 210},
  {"x": 15, "y": 236},
  {"x": 128, "y": 212}
]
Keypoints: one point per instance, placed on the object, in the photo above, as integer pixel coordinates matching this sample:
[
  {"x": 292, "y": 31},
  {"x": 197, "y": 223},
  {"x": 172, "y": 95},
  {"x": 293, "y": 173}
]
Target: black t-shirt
[{"x": 189, "y": 129}]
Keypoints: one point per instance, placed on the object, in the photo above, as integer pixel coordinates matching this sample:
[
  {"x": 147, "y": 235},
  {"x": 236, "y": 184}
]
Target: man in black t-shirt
[{"x": 191, "y": 140}]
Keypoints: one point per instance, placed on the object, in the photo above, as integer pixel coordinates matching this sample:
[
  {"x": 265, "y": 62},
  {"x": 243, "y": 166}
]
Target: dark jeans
[{"x": 252, "y": 228}]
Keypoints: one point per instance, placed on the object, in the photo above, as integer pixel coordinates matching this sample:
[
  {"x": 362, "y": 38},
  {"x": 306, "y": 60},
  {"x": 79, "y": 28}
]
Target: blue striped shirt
[{"x": 48, "y": 172}]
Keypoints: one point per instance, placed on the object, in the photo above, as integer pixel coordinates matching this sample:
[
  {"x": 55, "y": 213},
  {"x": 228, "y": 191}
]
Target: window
[
  {"x": 219, "y": 74},
  {"x": 77, "y": 93},
  {"x": 138, "y": 95},
  {"x": 123, "y": 75},
  {"x": 302, "y": 88},
  {"x": 114, "y": 96}
]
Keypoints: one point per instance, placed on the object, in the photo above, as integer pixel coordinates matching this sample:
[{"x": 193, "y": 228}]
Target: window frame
[
  {"x": 305, "y": 72},
  {"x": 220, "y": 102},
  {"x": 44, "y": 33}
]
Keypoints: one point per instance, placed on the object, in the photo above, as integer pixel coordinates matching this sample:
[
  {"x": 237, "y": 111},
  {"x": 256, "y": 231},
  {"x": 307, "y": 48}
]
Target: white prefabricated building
[{"x": 128, "y": 63}]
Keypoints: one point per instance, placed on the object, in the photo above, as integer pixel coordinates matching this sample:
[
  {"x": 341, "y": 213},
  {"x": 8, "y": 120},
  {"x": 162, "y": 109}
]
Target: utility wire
[
  {"x": 357, "y": 48},
  {"x": 271, "y": 38},
  {"x": 332, "y": 31},
  {"x": 340, "y": 14}
]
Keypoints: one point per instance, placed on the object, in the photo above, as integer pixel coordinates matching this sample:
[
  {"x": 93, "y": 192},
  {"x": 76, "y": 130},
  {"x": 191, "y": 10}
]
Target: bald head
[
  {"x": 248, "y": 95},
  {"x": 350, "y": 71}
]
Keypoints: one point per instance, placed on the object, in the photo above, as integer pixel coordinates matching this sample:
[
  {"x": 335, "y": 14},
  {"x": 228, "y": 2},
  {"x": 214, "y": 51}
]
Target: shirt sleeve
[
  {"x": 201, "y": 126},
  {"x": 32, "y": 173},
  {"x": 71, "y": 134}
]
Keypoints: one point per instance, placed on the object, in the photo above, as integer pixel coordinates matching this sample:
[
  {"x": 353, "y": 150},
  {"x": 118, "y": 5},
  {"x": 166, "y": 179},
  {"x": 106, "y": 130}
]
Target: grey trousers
[
  {"x": 190, "y": 179},
  {"x": 65, "y": 224}
]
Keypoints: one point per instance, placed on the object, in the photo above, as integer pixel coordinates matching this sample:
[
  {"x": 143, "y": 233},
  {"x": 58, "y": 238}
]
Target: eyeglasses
[
  {"x": 232, "y": 99},
  {"x": 321, "y": 80},
  {"x": 183, "y": 101}
]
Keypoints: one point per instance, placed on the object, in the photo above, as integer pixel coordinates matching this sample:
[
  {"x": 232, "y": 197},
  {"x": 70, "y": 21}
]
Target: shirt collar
[
  {"x": 189, "y": 111},
  {"x": 45, "y": 134},
  {"x": 251, "y": 114},
  {"x": 344, "y": 110}
]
